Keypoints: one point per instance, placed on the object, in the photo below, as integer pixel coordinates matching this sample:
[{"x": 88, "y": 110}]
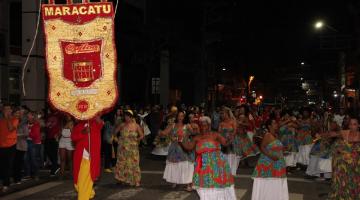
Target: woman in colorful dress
[
  {"x": 270, "y": 182},
  {"x": 320, "y": 154},
  {"x": 243, "y": 145},
  {"x": 162, "y": 142},
  {"x": 179, "y": 166},
  {"x": 304, "y": 138},
  {"x": 127, "y": 169},
  {"x": 346, "y": 164},
  {"x": 227, "y": 130},
  {"x": 212, "y": 177},
  {"x": 287, "y": 134}
]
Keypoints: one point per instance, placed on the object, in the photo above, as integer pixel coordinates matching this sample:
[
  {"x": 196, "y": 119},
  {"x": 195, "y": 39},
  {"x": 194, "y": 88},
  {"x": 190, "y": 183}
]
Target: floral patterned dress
[
  {"x": 287, "y": 138},
  {"x": 267, "y": 167},
  {"x": 179, "y": 164},
  {"x": 304, "y": 136},
  {"x": 243, "y": 146},
  {"x": 211, "y": 168},
  {"x": 270, "y": 182},
  {"x": 176, "y": 153},
  {"x": 127, "y": 167},
  {"x": 346, "y": 171},
  {"x": 226, "y": 133}
]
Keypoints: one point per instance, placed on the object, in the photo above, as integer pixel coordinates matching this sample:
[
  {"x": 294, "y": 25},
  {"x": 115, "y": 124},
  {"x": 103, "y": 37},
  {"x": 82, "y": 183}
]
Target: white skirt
[
  {"x": 233, "y": 161},
  {"x": 227, "y": 193},
  {"x": 290, "y": 159},
  {"x": 179, "y": 173},
  {"x": 325, "y": 165},
  {"x": 303, "y": 157},
  {"x": 66, "y": 143},
  {"x": 161, "y": 151},
  {"x": 327, "y": 175},
  {"x": 270, "y": 189},
  {"x": 313, "y": 167},
  {"x": 250, "y": 134}
]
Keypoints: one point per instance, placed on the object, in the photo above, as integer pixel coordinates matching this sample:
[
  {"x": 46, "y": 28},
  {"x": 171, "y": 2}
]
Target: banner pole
[{"x": 89, "y": 139}]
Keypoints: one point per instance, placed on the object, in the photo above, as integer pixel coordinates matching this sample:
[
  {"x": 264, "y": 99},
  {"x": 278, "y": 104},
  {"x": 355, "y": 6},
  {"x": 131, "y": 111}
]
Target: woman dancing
[
  {"x": 227, "y": 130},
  {"x": 127, "y": 168},
  {"x": 179, "y": 166},
  {"x": 212, "y": 177},
  {"x": 270, "y": 182}
]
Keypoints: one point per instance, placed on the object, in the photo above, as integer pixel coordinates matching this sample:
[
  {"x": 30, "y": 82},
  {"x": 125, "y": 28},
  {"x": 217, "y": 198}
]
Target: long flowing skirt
[
  {"x": 179, "y": 172},
  {"x": 270, "y": 189},
  {"x": 290, "y": 159},
  {"x": 233, "y": 161},
  {"x": 160, "y": 151},
  {"x": 325, "y": 165},
  {"x": 313, "y": 167},
  {"x": 303, "y": 157},
  {"x": 227, "y": 193},
  {"x": 127, "y": 169}
]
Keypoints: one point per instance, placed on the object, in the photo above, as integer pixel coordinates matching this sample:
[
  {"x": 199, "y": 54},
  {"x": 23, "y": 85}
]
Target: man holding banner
[
  {"x": 86, "y": 136},
  {"x": 81, "y": 62}
]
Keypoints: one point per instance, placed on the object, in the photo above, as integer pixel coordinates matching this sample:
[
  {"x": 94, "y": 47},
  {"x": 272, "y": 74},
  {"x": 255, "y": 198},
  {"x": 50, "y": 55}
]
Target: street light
[
  {"x": 319, "y": 24},
  {"x": 251, "y": 78},
  {"x": 224, "y": 69},
  {"x": 302, "y": 63}
]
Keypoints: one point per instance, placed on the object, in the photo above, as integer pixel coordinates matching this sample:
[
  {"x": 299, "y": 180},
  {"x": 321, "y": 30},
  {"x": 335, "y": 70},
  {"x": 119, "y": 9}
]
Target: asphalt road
[{"x": 153, "y": 187}]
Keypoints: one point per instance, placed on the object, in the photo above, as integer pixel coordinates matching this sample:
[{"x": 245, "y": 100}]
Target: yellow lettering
[
  {"x": 82, "y": 10},
  {"x": 106, "y": 9},
  {"x": 66, "y": 11},
  {"x": 58, "y": 11},
  {"x": 49, "y": 11},
  {"x": 98, "y": 7},
  {"x": 75, "y": 11},
  {"x": 91, "y": 10}
]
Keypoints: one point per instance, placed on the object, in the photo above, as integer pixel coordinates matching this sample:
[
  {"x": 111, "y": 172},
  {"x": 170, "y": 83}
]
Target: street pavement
[{"x": 153, "y": 187}]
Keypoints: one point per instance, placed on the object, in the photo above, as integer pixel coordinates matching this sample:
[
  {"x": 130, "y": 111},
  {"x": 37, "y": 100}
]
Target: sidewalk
[{"x": 44, "y": 177}]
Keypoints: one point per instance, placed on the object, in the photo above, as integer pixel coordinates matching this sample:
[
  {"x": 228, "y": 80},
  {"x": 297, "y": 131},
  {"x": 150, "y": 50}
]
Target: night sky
[
  {"x": 255, "y": 36},
  {"x": 260, "y": 38}
]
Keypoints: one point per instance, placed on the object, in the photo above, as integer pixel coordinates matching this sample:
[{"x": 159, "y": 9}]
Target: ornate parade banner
[{"x": 80, "y": 57}]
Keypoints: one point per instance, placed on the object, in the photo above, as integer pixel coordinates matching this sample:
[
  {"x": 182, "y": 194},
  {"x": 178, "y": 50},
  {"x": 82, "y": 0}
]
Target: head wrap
[
  {"x": 231, "y": 115},
  {"x": 130, "y": 112},
  {"x": 173, "y": 109},
  {"x": 205, "y": 119}
]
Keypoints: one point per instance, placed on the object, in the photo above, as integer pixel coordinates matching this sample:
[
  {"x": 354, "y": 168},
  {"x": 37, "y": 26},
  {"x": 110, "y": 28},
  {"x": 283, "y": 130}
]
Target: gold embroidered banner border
[{"x": 81, "y": 58}]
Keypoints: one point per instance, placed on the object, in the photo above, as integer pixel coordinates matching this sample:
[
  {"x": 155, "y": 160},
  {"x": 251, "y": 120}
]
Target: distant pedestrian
[
  {"x": 8, "y": 139},
  {"x": 53, "y": 130},
  {"x": 109, "y": 153},
  {"x": 66, "y": 147},
  {"x": 21, "y": 146},
  {"x": 33, "y": 154}
]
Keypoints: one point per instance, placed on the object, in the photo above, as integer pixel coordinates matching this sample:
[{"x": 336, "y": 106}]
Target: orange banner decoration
[{"x": 81, "y": 57}]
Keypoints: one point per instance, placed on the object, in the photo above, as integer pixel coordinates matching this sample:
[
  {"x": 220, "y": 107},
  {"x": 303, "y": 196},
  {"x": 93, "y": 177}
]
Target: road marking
[
  {"x": 240, "y": 176},
  {"x": 152, "y": 172},
  {"x": 296, "y": 196},
  {"x": 71, "y": 194},
  {"x": 240, "y": 193},
  {"x": 127, "y": 193},
  {"x": 31, "y": 191},
  {"x": 176, "y": 195}
]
